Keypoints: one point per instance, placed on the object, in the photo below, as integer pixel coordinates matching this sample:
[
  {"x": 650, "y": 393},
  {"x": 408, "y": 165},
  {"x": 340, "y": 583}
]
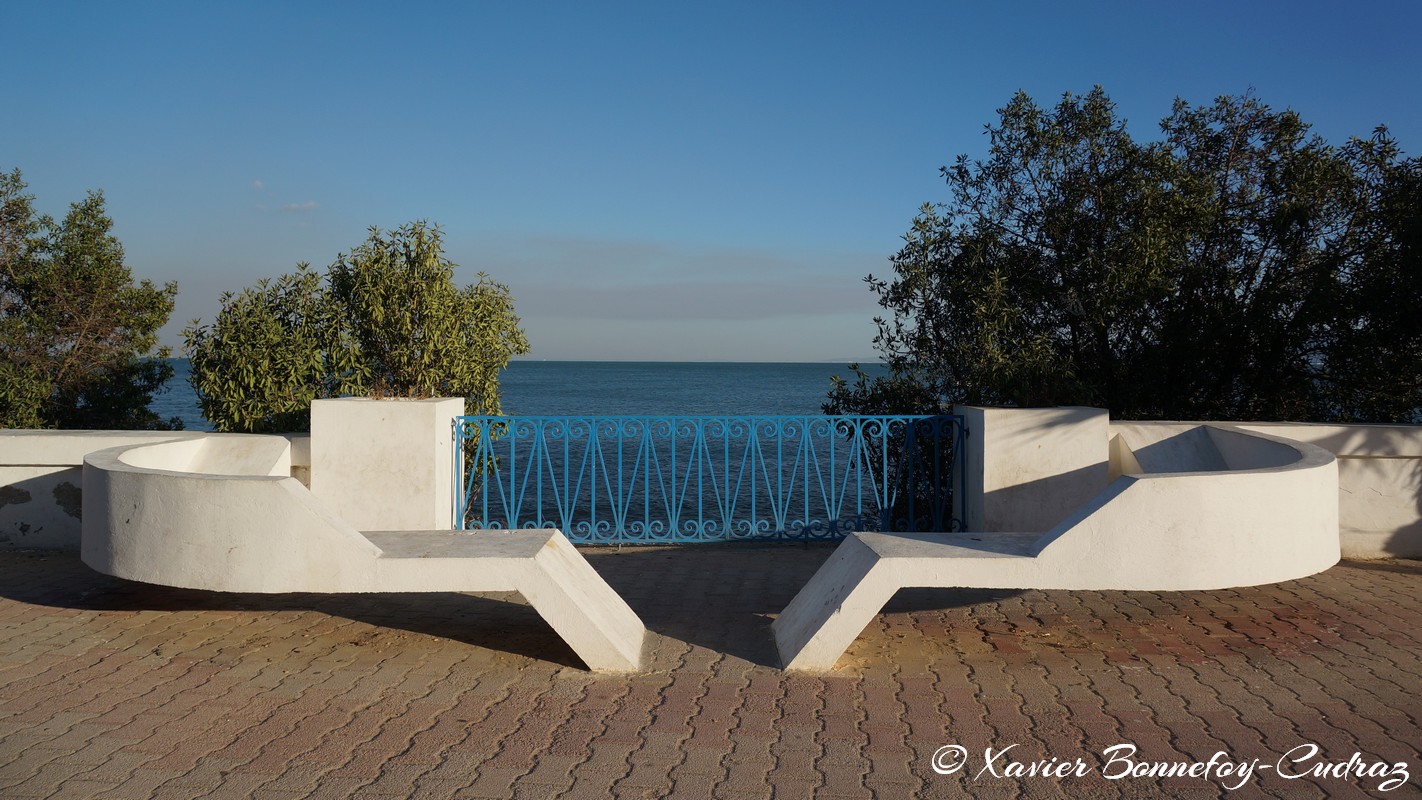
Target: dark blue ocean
[{"x": 615, "y": 388}]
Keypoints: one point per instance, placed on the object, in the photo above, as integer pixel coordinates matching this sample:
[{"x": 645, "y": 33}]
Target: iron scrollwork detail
[{"x": 694, "y": 479}]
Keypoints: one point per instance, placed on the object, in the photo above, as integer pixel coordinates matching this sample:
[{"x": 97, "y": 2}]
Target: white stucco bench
[
  {"x": 220, "y": 512},
  {"x": 1195, "y": 507}
]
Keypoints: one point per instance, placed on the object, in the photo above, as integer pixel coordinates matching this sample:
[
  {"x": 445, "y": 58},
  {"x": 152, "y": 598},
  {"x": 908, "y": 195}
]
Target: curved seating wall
[
  {"x": 1379, "y": 483},
  {"x": 1267, "y": 512},
  {"x": 232, "y": 455},
  {"x": 1192, "y": 507},
  {"x": 218, "y": 512},
  {"x": 1218, "y": 508}
]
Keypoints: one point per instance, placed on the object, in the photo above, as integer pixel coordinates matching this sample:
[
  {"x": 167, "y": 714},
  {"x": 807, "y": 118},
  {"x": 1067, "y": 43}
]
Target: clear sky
[{"x": 654, "y": 181}]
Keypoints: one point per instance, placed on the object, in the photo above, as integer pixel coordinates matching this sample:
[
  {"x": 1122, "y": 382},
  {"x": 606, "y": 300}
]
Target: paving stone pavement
[{"x": 112, "y": 689}]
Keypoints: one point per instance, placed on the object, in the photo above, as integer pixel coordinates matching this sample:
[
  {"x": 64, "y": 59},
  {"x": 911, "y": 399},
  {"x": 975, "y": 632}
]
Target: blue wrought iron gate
[{"x": 695, "y": 479}]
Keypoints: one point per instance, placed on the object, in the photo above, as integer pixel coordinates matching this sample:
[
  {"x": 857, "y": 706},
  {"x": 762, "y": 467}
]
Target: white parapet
[
  {"x": 385, "y": 465},
  {"x": 41, "y": 478}
]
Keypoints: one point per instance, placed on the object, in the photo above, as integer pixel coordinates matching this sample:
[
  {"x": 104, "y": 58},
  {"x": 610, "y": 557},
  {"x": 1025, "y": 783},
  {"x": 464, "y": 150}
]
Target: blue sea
[{"x": 616, "y": 388}]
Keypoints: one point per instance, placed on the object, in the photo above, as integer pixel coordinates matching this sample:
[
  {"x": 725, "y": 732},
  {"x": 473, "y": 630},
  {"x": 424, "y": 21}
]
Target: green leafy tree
[
  {"x": 388, "y": 321},
  {"x": 273, "y": 349},
  {"x": 1237, "y": 268},
  {"x": 1372, "y": 367},
  {"x": 78, "y": 338},
  {"x": 418, "y": 334},
  {"x": 1276, "y": 216}
]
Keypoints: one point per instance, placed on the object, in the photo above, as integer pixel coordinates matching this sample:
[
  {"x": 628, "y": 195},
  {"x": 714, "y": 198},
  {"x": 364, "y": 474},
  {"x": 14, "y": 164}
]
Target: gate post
[
  {"x": 1028, "y": 468},
  {"x": 384, "y": 465}
]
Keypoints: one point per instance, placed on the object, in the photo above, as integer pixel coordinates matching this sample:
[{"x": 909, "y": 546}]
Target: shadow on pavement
[
  {"x": 61, "y": 580},
  {"x": 718, "y": 596}
]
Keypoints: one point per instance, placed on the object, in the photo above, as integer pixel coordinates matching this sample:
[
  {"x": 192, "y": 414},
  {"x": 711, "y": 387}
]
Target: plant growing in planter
[{"x": 387, "y": 321}]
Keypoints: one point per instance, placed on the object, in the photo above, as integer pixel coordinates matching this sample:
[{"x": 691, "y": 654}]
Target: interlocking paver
[{"x": 110, "y": 689}]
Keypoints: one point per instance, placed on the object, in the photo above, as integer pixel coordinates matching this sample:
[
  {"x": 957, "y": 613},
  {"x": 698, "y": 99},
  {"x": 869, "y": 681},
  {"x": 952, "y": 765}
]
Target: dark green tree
[
  {"x": 1274, "y": 215},
  {"x": 1372, "y": 368},
  {"x": 1234, "y": 269},
  {"x": 78, "y": 338},
  {"x": 388, "y": 321}
]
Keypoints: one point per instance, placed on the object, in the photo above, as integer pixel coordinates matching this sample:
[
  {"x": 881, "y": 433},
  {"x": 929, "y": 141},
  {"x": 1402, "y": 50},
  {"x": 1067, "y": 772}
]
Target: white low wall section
[
  {"x": 216, "y": 454},
  {"x": 1220, "y": 508},
  {"x": 1379, "y": 483},
  {"x": 41, "y": 479},
  {"x": 1029, "y": 468},
  {"x": 150, "y": 516},
  {"x": 222, "y": 513}
]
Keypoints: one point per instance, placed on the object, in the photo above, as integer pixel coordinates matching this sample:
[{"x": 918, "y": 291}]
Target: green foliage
[
  {"x": 273, "y": 349},
  {"x": 893, "y": 393},
  {"x": 1373, "y": 352},
  {"x": 418, "y": 334},
  {"x": 389, "y": 321},
  {"x": 1239, "y": 268},
  {"x": 78, "y": 339}
]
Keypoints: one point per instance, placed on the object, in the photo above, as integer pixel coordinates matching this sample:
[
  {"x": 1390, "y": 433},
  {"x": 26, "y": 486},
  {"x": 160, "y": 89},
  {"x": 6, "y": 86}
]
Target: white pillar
[
  {"x": 1028, "y": 468},
  {"x": 385, "y": 465}
]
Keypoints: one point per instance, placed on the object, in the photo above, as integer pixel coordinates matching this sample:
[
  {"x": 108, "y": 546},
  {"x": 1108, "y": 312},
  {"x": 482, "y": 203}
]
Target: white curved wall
[
  {"x": 152, "y": 514},
  {"x": 41, "y": 480},
  {"x": 1222, "y": 508},
  {"x": 149, "y": 517},
  {"x": 1205, "y": 530},
  {"x": 216, "y": 454},
  {"x": 1191, "y": 506},
  {"x": 1271, "y": 514},
  {"x": 1379, "y": 476}
]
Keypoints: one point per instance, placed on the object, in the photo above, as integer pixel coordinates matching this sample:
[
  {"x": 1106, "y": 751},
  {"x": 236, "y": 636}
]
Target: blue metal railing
[{"x": 696, "y": 479}]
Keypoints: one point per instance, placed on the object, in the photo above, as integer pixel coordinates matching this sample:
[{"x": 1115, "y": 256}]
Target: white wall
[
  {"x": 216, "y": 513},
  {"x": 1379, "y": 474},
  {"x": 1189, "y": 505},
  {"x": 222, "y": 513},
  {"x": 1379, "y": 469},
  {"x": 41, "y": 480},
  {"x": 1379, "y": 483},
  {"x": 385, "y": 465},
  {"x": 1214, "y": 508},
  {"x": 1030, "y": 468}
]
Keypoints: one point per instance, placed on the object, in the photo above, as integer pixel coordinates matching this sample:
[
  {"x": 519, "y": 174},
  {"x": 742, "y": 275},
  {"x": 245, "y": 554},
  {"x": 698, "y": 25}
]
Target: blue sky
[{"x": 654, "y": 181}]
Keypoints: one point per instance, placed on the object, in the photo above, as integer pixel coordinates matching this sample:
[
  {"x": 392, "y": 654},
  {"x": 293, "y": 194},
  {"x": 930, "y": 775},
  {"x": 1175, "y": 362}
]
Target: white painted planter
[{"x": 385, "y": 465}]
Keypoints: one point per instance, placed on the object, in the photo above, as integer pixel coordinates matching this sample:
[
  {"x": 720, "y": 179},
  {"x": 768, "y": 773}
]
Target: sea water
[{"x": 615, "y": 388}]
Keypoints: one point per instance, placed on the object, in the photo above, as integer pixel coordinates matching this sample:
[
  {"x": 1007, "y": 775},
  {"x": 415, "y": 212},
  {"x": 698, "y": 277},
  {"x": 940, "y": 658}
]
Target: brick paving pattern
[{"x": 111, "y": 689}]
